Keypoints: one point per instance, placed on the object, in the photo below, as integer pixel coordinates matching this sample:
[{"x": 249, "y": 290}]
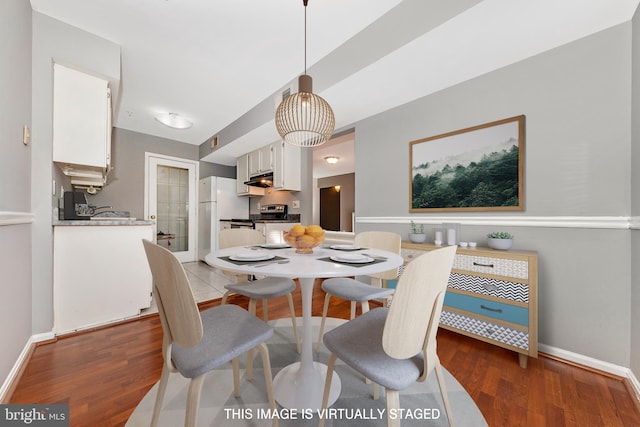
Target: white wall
[
  {"x": 577, "y": 102},
  {"x": 635, "y": 200},
  {"x": 15, "y": 158}
]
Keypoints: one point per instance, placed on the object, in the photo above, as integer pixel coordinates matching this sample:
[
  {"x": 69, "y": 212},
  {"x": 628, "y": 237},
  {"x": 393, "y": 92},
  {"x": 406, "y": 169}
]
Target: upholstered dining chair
[
  {"x": 195, "y": 343},
  {"x": 262, "y": 289},
  {"x": 396, "y": 346},
  {"x": 356, "y": 291}
]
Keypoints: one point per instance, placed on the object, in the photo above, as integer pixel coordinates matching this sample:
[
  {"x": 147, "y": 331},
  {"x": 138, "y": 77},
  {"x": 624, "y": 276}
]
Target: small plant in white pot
[
  {"x": 417, "y": 233},
  {"x": 500, "y": 240}
]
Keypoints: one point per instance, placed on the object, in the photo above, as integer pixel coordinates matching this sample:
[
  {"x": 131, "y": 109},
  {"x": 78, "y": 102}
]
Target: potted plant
[
  {"x": 500, "y": 240},
  {"x": 417, "y": 233}
]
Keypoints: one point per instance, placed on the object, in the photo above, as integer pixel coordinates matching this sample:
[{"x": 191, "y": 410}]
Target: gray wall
[
  {"x": 635, "y": 200},
  {"x": 125, "y": 184},
  {"x": 577, "y": 103},
  {"x": 15, "y": 170}
]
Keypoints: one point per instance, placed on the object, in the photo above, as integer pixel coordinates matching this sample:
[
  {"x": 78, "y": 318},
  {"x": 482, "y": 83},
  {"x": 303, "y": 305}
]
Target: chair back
[
  {"x": 231, "y": 237},
  {"x": 413, "y": 318},
  {"x": 177, "y": 307},
  {"x": 384, "y": 240}
]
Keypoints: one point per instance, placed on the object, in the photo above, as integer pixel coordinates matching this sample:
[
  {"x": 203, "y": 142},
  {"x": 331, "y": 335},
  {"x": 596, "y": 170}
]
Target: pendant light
[{"x": 304, "y": 118}]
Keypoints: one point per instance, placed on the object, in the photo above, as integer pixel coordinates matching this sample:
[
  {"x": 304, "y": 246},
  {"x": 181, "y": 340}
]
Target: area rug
[{"x": 421, "y": 404}]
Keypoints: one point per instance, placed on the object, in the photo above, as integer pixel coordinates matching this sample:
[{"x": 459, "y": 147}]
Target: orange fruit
[
  {"x": 297, "y": 230},
  {"x": 314, "y": 230}
]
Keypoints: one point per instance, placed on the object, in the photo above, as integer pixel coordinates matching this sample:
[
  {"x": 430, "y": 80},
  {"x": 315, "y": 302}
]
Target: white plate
[
  {"x": 352, "y": 259},
  {"x": 251, "y": 256},
  {"x": 345, "y": 247},
  {"x": 275, "y": 246}
]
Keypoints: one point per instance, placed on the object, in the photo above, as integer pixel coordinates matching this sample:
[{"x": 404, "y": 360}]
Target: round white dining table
[{"x": 300, "y": 386}]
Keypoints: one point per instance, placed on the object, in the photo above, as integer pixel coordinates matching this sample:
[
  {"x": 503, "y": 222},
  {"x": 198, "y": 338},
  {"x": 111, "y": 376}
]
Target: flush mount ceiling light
[
  {"x": 174, "y": 120},
  {"x": 304, "y": 118},
  {"x": 331, "y": 159}
]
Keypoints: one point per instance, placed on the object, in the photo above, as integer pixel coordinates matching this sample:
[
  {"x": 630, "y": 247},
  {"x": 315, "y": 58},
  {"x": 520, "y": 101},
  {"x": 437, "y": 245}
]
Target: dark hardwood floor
[{"x": 103, "y": 375}]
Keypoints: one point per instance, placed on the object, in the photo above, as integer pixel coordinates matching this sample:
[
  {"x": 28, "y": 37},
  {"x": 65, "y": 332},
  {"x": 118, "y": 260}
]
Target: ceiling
[{"x": 222, "y": 64}]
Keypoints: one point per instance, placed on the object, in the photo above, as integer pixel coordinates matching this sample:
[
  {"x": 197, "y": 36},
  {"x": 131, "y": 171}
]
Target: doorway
[
  {"x": 171, "y": 201},
  {"x": 330, "y": 208}
]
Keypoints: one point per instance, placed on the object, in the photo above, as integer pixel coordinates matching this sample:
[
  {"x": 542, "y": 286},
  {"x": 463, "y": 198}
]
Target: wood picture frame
[{"x": 480, "y": 168}]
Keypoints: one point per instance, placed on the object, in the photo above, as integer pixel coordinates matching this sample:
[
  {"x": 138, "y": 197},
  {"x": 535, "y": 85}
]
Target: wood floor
[{"x": 103, "y": 375}]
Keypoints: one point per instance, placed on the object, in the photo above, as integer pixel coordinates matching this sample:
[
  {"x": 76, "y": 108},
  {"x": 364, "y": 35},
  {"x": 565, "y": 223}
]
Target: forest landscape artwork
[{"x": 474, "y": 169}]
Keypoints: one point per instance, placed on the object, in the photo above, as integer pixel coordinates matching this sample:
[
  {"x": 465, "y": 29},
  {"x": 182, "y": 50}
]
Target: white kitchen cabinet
[
  {"x": 81, "y": 125},
  {"x": 100, "y": 274},
  {"x": 286, "y": 167},
  {"x": 282, "y": 159},
  {"x": 242, "y": 176}
]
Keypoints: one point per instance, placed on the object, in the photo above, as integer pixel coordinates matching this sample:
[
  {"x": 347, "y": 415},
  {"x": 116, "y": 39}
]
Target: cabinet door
[
  {"x": 81, "y": 118},
  {"x": 266, "y": 159},
  {"x": 254, "y": 162},
  {"x": 286, "y": 167},
  {"x": 242, "y": 174}
]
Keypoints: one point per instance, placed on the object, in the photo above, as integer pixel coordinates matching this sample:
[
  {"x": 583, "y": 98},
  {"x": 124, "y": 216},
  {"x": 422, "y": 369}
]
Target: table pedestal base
[{"x": 298, "y": 390}]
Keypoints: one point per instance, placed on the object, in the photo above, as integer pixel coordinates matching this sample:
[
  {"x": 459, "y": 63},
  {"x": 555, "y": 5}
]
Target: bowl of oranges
[{"x": 304, "y": 239}]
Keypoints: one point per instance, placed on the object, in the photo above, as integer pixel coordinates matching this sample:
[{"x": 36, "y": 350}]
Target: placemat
[
  {"x": 233, "y": 261},
  {"x": 352, "y": 264}
]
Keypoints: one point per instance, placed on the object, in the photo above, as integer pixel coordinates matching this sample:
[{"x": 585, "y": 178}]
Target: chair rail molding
[
  {"x": 609, "y": 222},
  {"x": 15, "y": 218}
]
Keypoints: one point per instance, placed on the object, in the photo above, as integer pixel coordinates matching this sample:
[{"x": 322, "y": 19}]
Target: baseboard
[
  {"x": 597, "y": 365},
  {"x": 6, "y": 391}
]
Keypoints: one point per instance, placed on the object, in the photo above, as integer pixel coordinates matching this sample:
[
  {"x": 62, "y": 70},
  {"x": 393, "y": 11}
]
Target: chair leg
[
  {"x": 252, "y": 310},
  {"x": 325, "y": 310},
  {"x": 293, "y": 320},
  {"x": 443, "y": 392},
  {"x": 393, "y": 406},
  {"x": 193, "y": 401},
  {"x": 353, "y": 310},
  {"x": 236, "y": 376},
  {"x": 266, "y": 363},
  {"x": 224, "y": 297},
  {"x": 327, "y": 388},
  {"x": 265, "y": 310},
  {"x": 162, "y": 387},
  {"x": 376, "y": 391},
  {"x": 365, "y": 306}
]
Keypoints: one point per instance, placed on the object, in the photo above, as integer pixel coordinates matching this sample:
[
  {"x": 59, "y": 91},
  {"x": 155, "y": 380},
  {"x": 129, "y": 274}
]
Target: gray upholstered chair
[
  {"x": 396, "y": 346},
  {"x": 356, "y": 291},
  {"x": 261, "y": 289},
  {"x": 195, "y": 343}
]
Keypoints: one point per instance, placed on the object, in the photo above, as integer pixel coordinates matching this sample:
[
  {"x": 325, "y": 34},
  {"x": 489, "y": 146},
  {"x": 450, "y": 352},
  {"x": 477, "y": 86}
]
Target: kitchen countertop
[{"x": 120, "y": 222}]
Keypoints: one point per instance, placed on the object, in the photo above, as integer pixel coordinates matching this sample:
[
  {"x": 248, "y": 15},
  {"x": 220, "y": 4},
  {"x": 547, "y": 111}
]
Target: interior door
[
  {"x": 330, "y": 208},
  {"x": 171, "y": 186}
]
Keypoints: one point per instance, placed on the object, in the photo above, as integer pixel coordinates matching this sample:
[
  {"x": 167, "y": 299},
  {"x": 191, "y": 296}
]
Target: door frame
[{"x": 194, "y": 173}]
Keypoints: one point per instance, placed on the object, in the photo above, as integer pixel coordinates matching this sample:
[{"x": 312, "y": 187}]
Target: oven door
[{"x": 243, "y": 225}]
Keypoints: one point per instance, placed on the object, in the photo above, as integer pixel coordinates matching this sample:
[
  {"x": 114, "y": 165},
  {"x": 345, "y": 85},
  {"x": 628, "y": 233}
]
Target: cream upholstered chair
[
  {"x": 356, "y": 291},
  {"x": 396, "y": 346},
  {"x": 262, "y": 289},
  {"x": 195, "y": 343}
]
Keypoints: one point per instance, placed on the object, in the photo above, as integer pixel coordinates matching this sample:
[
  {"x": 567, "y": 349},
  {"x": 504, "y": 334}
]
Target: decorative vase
[
  {"x": 417, "y": 237},
  {"x": 501, "y": 244}
]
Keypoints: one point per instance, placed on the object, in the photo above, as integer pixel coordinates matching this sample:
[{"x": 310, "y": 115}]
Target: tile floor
[{"x": 207, "y": 283}]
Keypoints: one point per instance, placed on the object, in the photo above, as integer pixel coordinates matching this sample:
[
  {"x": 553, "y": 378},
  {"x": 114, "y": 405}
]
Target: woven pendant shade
[{"x": 304, "y": 118}]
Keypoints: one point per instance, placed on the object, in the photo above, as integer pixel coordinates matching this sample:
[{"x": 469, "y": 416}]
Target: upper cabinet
[
  {"x": 279, "y": 158},
  {"x": 286, "y": 166},
  {"x": 81, "y": 126},
  {"x": 242, "y": 176}
]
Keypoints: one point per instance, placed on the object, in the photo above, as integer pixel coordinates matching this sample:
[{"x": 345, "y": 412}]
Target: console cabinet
[{"x": 492, "y": 296}]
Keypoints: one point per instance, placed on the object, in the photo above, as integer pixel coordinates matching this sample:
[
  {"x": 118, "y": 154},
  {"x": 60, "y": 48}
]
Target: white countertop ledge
[
  {"x": 111, "y": 222},
  {"x": 15, "y": 218}
]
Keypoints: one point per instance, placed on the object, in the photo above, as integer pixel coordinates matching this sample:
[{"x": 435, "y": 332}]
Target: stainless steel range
[{"x": 273, "y": 212}]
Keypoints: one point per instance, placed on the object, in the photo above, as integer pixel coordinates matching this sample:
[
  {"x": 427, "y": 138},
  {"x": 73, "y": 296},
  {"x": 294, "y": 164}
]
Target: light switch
[{"x": 295, "y": 204}]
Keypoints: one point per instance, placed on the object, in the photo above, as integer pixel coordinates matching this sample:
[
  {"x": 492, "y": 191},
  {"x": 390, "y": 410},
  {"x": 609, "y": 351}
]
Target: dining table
[{"x": 300, "y": 386}]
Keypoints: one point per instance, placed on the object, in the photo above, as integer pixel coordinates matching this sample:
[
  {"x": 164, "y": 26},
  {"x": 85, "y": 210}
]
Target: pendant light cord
[{"x": 305, "y": 34}]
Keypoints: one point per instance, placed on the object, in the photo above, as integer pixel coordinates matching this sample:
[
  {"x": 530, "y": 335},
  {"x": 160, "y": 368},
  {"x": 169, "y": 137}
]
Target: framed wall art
[{"x": 480, "y": 168}]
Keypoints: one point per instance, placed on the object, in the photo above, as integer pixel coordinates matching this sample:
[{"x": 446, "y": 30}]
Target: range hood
[{"x": 263, "y": 180}]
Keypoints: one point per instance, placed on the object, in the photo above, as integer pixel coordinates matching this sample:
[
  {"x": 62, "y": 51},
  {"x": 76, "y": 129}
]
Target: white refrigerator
[{"x": 217, "y": 200}]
